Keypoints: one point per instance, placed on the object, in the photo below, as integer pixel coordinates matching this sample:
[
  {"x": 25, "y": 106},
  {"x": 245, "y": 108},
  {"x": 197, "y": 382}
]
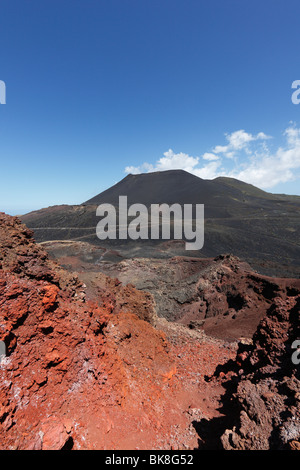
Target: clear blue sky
[{"x": 98, "y": 88}]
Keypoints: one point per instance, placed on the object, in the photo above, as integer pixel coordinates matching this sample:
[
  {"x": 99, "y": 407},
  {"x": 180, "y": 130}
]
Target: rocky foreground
[{"x": 109, "y": 373}]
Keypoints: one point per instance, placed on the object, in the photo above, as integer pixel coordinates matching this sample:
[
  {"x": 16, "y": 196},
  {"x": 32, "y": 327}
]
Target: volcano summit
[{"x": 259, "y": 227}]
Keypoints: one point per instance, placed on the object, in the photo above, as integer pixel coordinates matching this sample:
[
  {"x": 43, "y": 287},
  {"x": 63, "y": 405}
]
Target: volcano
[{"x": 259, "y": 227}]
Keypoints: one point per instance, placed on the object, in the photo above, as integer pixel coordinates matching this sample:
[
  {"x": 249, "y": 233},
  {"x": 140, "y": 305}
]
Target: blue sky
[{"x": 98, "y": 88}]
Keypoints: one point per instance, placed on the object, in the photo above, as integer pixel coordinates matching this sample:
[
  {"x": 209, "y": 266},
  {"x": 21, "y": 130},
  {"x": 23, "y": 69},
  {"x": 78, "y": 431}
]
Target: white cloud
[
  {"x": 238, "y": 140},
  {"x": 209, "y": 171},
  {"x": 182, "y": 161},
  {"x": 265, "y": 169},
  {"x": 247, "y": 158},
  {"x": 293, "y": 136},
  {"x": 134, "y": 170},
  {"x": 220, "y": 148},
  {"x": 263, "y": 136},
  {"x": 172, "y": 161},
  {"x": 210, "y": 156}
]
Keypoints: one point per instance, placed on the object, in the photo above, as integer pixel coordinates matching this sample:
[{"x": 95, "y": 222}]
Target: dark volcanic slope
[
  {"x": 259, "y": 227},
  {"x": 174, "y": 186},
  {"x": 222, "y": 196}
]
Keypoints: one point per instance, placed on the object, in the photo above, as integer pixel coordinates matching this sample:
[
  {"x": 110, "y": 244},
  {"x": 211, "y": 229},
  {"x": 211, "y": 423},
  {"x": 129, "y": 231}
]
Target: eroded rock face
[
  {"x": 52, "y": 341},
  {"x": 267, "y": 394},
  {"x": 76, "y": 374},
  {"x": 223, "y": 296}
]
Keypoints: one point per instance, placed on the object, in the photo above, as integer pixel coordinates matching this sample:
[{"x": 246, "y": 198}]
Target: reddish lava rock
[
  {"x": 85, "y": 375},
  {"x": 94, "y": 374},
  {"x": 266, "y": 392}
]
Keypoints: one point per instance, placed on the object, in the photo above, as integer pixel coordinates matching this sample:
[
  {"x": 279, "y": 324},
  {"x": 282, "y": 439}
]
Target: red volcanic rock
[
  {"x": 222, "y": 296},
  {"x": 80, "y": 374},
  {"x": 50, "y": 296},
  {"x": 93, "y": 374},
  {"x": 267, "y": 393},
  {"x": 234, "y": 299}
]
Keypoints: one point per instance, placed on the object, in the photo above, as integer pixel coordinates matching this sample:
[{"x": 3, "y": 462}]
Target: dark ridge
[{"x": 259, "y": 227}]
